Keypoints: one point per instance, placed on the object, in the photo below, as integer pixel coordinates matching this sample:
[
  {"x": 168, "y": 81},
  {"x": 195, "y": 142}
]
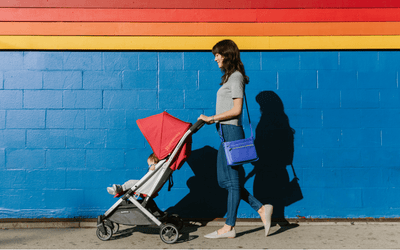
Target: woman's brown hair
[{"x": 230, "y": 51}]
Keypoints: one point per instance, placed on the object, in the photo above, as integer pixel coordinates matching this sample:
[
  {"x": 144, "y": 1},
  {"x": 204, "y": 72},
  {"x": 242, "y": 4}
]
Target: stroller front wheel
[
  {"x": 169, "y": 233},
  {"x": 103, "y": 236}
]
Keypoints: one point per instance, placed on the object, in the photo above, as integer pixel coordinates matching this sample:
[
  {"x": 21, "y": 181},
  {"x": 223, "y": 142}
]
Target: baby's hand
[{"x": 152, "y": 167}]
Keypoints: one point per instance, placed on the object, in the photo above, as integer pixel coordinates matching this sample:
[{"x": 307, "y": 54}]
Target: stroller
[{"x": 170, "y": 139}]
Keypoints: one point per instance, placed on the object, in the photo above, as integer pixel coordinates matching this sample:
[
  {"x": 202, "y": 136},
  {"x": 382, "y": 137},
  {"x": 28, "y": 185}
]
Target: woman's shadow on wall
[
  {"x": 204, "y": 202},
  {"x": 275, "y": 148}
]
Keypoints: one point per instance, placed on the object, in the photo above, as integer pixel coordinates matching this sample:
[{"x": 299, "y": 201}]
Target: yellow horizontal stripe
[{"x": 196, "y": 43}]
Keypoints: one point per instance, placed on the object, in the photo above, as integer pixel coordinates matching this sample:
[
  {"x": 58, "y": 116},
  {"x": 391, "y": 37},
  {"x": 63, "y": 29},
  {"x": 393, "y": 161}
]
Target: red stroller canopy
[{"x": 163, "y": 132}]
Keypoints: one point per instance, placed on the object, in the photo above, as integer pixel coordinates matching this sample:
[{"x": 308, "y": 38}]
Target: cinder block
[
  {"x": 82, "y": 61},
  {"x": 63, "y": 198},
  {"x": 65, "y": 159},
  {"x": 341, "y": 118},
  {"x": 45, "y": 138},
  {"x": 366, "y": 178},
  {"x": 291, "y": 99},
  {"x": 312, "y": 138},
  {"x": 304, "y": 118},
  {"x": 342, "y": 158},
  {"x": 380, "y": 157},
  {"x": 124, "y": 139},
  {"x": 43, "y": 60},
  {"x": 320, "y": 99},
  {"x": 170, "y": 61},
  {"x": 13, "y": 138},
  {"x": 297, "y": 79},
  {"x": 23, "y": 80},
  {"x": 25, "y": 159},
  {"x": 102, "y": 80},
  {"x": 392, "y": 175},
  {"x": 120, "y": 99},
  {"x": 339, "y": 198},
  {"x": 389, "y": 60},
  {"x": 210, "y": 80},
  {"x": 286, "y": 60},
  {"x": 65, "y": 119},
  {"x": 139, "y": 79},
  {"x": 13, "y": 179},
  {"x": 105, "y": 159},
  {"x": 105, "y": 119},
  {"x": 88, "y": 179},
  {"x": 1, "y": 81},
  {"x": 380, "y": 118},
  {"x": 338, "y": 80},
  {"x": 88, "y": 138},
  {"x": 148, "y": 61},
  {"x": 45, "y": 179},
  {"x": 312, "y": 178},
  {"x": 377, "y": 79},
  {"x": 199, "y": 61},
  {"x": 186, "y": 80},
  {"x": 171, "y": 99},
  {"x": 360, "y": 98},
  {"x": 2, "y": 119},
  {"x": 11, "y": 60},
  {"x": 10, "y": 99},
  {"x": 200, "y": 99},
  {"x": 62, "y": 80},
  {"x": 318, "y": 60},
  {"x": 377, "y": 198},
  {"x": 391, "y": 137},
  {"x": 251, "y": 60},
  {"x": 82, "y": 99},
  {"x": 118, "y": 61},
  {"x": 2, "y": 159},
  {"x": 148, "y": 99},
  {"x": 262, "y": 80},
  {"x": 25, "y": 119},
  {"x": 43, "y": 99},
  {"x": 361, "y": 137},
  {"x": 389, "y": 99},
  {"x": 359, "y": 60},
  {"x": 91, "y": 198}
]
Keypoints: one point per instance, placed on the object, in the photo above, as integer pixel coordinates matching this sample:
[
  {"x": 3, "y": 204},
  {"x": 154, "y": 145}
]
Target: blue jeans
[{"x": 231, "y": 177}]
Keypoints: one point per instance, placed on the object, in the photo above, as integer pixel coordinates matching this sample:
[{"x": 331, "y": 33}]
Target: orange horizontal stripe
[
  {"x": 198, "y": 15},
  {"x": 199, "y": 29},
  {"x": 201, "y": 3}
]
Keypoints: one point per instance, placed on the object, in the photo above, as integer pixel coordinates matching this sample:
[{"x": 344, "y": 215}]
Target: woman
[{"x": 228, "y": 115}]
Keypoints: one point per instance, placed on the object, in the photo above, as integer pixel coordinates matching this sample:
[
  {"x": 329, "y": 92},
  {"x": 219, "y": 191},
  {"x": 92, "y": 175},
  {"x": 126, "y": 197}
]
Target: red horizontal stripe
[
  {"x": 201, "y": 15},
  {"x": 202, "y": 4}
]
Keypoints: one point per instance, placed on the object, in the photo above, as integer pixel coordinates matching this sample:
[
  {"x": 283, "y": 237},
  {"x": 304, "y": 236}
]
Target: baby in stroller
[{"x": 118, "y": 190}]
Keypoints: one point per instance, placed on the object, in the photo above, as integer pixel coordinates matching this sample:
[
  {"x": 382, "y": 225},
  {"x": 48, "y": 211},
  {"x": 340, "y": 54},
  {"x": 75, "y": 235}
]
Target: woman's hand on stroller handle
[{"x": 197, "y": 126}]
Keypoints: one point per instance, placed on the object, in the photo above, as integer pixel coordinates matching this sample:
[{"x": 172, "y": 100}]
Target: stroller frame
[{"x": 107, "y": 224}]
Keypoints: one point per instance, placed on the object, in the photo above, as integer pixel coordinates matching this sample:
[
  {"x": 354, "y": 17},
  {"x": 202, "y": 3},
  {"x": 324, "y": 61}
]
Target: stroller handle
[{"x": 197, "y": 126}]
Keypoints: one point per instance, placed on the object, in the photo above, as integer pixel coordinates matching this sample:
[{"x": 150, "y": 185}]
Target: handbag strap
[
  {"x": 248, "y": 115},
  {"x": 294, "y": 173}
]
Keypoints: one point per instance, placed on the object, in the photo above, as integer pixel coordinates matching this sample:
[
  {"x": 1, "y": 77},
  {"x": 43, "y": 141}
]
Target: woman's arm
[{"x": 232, "y": 113}]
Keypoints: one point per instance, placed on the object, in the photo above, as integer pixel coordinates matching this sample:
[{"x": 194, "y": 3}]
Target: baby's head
[{"x": 152, "y": 159}]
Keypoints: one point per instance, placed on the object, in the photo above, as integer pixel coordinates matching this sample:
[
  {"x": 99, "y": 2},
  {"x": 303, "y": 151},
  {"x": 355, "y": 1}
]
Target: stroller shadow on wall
[
  {"x": 275, "y": 147},
  {"x": 170, "y": 139}
]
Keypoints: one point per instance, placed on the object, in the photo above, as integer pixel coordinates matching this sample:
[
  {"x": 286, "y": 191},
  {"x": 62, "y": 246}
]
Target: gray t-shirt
[{"x": 230, "y": 90}]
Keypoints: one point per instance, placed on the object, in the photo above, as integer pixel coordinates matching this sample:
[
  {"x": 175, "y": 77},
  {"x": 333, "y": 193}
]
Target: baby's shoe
[{"x": 115, "y": 189}]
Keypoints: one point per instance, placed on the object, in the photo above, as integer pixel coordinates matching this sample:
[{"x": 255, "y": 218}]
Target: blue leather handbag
[{"x": 241, "y": 151}]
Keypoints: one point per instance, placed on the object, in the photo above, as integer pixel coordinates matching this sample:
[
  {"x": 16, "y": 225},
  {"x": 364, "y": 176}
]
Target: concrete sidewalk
[{"x": 250, "y": 235}]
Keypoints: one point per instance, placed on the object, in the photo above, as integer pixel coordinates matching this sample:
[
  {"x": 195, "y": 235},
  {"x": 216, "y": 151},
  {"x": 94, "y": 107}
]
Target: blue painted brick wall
[{"x": 68, "y": 130}]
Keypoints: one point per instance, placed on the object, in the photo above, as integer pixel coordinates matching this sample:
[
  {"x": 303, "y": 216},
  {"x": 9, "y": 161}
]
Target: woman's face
[{"x": 219, "y": 59}]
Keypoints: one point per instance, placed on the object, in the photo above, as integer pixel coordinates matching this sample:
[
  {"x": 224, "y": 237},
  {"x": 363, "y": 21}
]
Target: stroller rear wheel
[
  {"x": 103, "y": 236},
  {"x": 169, "y": 233}
]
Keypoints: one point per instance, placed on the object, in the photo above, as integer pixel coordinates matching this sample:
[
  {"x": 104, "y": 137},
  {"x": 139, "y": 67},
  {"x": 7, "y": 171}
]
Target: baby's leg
[{"x": 129, "y": 184}]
